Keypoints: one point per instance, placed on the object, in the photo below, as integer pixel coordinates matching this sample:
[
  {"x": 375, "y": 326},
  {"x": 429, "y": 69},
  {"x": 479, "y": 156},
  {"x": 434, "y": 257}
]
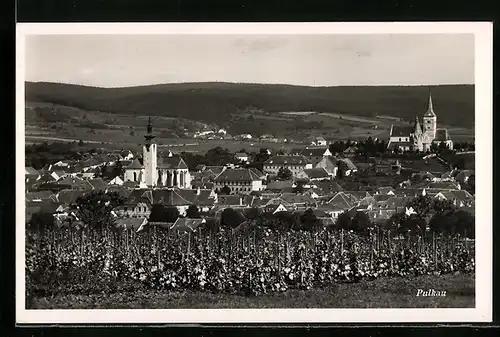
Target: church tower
[
  {"x": 430, "y": 122},
  {"x": 149, "y": 155}
]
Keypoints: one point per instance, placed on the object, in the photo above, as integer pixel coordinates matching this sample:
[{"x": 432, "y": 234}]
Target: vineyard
[{"x": 259, "y": 261}]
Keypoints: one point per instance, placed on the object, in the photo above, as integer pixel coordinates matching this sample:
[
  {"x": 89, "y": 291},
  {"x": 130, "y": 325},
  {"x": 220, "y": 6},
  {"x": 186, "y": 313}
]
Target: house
[
  {"x": 31, "y": 172},
  {"x": 98, "y": 184},
  {"x": 460, "y": 198},
  {"x": 313, "y": 174},
  {"x": 278, "y": 185},
  {"x": 231, "y": 201},
  {"x": 295, "y": 164},
  {"x": 116, "y": 181},
  {"x": 315, "y": 154},
  {"x": 350, "y": 151},
  {"x": 140, "y": 201},
  {"x": 240, "y": 181},
  {"x": 318, "y": 141},
  {"x": 58, "y": 174},
  {"x": 242, "y": 157},
  {"x": 347, "y": 166},
  {"x": 277, "y": 205},
  {"x": 385, "y": 191}
]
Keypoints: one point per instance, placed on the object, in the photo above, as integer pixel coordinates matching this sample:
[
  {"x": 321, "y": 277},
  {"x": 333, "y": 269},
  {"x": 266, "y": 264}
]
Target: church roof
[
  {"x": 401, "y": 131},
  {"x": 442, "y": 135},
  {"x": 173, "y": 162}
]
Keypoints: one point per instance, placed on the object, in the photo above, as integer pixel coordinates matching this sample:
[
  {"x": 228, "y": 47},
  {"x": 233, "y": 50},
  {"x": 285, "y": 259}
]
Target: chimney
[{"x": 198, "y": 191}]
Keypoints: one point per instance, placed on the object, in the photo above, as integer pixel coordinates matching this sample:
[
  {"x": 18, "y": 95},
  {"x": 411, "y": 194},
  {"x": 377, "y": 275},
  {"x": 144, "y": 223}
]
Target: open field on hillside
[{"x": 380, "y": 293}]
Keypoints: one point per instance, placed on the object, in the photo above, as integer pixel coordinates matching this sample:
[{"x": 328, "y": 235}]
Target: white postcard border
[{"x": 483, "y": 122}]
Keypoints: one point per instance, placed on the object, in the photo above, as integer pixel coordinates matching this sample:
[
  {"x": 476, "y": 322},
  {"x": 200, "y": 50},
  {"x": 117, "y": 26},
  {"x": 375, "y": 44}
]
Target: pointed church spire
[
  {"x": 430, "y": 109},
  {"x": 149, "y": 132},
  {"x": 417, "y": 129}
]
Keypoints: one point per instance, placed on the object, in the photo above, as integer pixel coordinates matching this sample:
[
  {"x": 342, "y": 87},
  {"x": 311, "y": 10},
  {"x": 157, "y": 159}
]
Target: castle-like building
[
  {"x": 417, "y": 137},
  {"x": 154, "y": 171}
]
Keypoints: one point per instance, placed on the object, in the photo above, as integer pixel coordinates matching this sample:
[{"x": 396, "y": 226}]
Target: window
[
  {"x": 124, "y": 209},
  {"x": 399, "y": 139}
]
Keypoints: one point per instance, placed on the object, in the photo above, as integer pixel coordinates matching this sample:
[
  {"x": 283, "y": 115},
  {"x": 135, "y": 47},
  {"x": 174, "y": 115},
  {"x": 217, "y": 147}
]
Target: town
[{"x": 376, "y": 177}]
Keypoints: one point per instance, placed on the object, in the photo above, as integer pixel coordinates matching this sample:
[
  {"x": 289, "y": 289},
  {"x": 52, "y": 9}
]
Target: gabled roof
[
  {"x": 349, "y": 163},
  {"x": 341, "y": 200},
  {"x": 75, "y": 182},
  {"x": 171, "y": 197},
  {"x": 237, "y": 175},
  {"x": 313, "y": 151},
  {"x": 134, "y": 165},
  {"x": 287, "y": 160},
  {"x": 443, "y": 185},
  {"x": 295, "y": 199},
  {"x": 328, "y": 186},
  {"x": 30, "y": 171},
  {"x": 329, "y": 163},
  {"x": 279, "y": 185},
  {"x": 241, "y": 154},
  {"x": 228, "y": 200},
  {"x": 68, "y": 196},
  {"x": 316, "y": 173},
  {"x": 40, "y": 195},
  {"x": 187, "y": 224},
  {"x": 98, "y": 184},
  {"x": 216, "y": 170}
]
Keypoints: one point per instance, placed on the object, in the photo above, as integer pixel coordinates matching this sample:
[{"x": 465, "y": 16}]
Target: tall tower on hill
[
  {"x": 149, "y": 155},
  {"x": 430, "y": 122}
]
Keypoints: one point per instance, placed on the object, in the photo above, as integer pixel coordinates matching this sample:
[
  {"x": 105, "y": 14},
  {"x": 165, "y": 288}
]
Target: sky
[{"x": 310, "y": 60}]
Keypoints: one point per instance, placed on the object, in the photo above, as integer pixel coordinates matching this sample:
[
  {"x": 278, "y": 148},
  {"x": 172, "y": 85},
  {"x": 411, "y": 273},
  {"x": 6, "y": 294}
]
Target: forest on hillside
[{"x": 216, "y": 102}]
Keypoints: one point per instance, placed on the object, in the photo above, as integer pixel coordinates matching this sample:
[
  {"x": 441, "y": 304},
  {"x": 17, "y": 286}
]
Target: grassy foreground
[{"x": 380, "y": 293}]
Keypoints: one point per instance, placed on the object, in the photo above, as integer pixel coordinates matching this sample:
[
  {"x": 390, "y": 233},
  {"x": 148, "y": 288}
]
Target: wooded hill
[{"x": 215, "y": 102}]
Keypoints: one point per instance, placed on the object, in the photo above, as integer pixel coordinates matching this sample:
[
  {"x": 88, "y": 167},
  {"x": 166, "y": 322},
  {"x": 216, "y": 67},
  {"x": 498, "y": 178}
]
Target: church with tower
[
  {"x": 419, "y": 137},
  {"x": 157, "y": 172}
]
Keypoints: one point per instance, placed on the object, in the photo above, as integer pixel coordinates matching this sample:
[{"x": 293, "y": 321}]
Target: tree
[
  {"x": 231, "y": 218},
  {"x": 360, "y": 222},
  {"x": 118, "y": 170},
  {"x": 460, "y": 164},
  {"x": 299, "y": 187},
  {"x": 225, "y": 190},
  {"x": 309, "y": 220},
  {"x": 422, "y": 205},
  {"x": 158, "y": 213},
  {"x": 193, "y": 212},
  {"x": 284, "y": 174},
  {"x": 434, "y": 148},
  {"x": 464, "y": 223},
  {"x": 252, "y": 213},
  {"x": 344, "y": 221},
  {"x": 42, "y": 220},
  {"x": 171, "y": 214},
  {"x": 94, "y": 209}
]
